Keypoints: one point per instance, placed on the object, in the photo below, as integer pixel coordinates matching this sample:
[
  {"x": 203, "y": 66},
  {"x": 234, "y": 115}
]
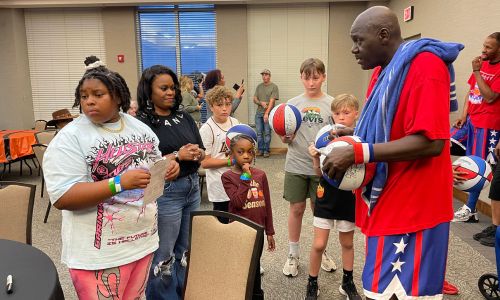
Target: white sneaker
[
  {"x": 464, "y": 214},
  {"x": 261, "y": 270},
  {"x": 327, "y": 262},
  {"x": 291, "y": 267}
]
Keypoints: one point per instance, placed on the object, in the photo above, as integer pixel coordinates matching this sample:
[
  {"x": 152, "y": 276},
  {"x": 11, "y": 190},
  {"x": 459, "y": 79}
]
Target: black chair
[
  {"x": 39, "y": 150},
  {"x": 223, "y": 258}
]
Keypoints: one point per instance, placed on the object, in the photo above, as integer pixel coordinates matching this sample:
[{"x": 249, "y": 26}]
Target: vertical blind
[
  {"x": 182, "y": 37},
  {"x": 58, "y": 42},
  {"x": 280, "y": 38}
]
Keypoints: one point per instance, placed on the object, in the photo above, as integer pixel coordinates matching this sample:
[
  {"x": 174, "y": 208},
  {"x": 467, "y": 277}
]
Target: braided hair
[
  {"x": 145, "y": 91},
  {"x": 113, "y": 81}
]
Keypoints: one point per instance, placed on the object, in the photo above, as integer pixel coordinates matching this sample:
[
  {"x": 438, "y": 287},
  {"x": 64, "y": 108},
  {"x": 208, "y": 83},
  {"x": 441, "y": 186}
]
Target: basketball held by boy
[{"x": 334, "y": 208}]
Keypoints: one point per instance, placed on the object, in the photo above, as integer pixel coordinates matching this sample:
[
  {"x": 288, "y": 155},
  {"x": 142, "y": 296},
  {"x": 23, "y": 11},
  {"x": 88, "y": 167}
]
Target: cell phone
[
  {"x": 243, "y": 80},
  {"x": 236, "y": 86}
]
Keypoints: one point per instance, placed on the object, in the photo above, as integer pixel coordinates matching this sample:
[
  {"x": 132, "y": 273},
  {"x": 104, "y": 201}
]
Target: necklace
[
  {"x": 122, "y": 124},
  {"x": 230, "y": 122}
]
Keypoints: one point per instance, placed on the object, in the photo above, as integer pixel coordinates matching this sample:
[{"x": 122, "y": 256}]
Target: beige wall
[
  {"x": 232, "y": 50},
  {"x": 460, "y": 21},
  {"x": 120, "y": 38},
  {"x": 344, "y": 74},
  {"x": 16, "y": 106}
]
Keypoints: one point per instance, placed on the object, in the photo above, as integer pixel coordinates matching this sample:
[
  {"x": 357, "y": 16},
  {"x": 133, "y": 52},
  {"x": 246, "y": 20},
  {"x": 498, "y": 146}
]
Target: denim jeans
[
  {"x": 167, "y": 274},
  {"x": 263, "y": 132}
]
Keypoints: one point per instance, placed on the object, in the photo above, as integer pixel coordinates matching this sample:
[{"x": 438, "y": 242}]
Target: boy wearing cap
[{"x": 265, "y": 95}]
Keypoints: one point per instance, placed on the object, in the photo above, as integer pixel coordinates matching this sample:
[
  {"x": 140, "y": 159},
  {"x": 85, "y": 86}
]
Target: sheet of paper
[{"x": 157, "y": 183}]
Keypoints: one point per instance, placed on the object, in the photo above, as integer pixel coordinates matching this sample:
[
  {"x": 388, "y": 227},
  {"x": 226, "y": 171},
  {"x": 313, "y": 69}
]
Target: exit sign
[{"x": 408, "y": 14}]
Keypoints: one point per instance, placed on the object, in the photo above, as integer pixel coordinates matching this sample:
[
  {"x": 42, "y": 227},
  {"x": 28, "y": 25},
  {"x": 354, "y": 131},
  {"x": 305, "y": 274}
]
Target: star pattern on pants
[{"x": 396, "y": 266}]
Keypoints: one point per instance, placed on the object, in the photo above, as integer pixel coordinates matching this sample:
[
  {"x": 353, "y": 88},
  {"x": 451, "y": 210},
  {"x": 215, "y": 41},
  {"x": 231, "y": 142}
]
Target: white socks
[{"x": 294, "y": 248}]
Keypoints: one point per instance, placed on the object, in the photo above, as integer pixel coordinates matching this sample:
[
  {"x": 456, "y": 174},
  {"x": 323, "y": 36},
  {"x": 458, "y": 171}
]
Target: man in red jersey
[{"x": 405, "y": 211}]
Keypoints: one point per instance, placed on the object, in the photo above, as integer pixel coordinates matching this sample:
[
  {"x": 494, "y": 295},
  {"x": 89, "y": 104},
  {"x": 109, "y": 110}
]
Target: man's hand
[
  {"x": 263, "y": 104},
  {"x": 173, "y": 170},
  {"x": 337, "y": 162},
  {"x": 266, "y": 117},
  {"x": 459, "y": 122},
  {"x": 476, "y": 63},
  {"x": 340, "y": 132}
]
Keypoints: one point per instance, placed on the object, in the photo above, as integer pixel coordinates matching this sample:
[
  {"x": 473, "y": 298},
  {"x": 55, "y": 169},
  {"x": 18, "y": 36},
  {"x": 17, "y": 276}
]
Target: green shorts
[{"x": 299, "y": 187}]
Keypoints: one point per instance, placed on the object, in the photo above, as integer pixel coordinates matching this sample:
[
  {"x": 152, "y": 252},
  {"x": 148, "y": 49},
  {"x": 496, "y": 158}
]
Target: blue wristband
[{"x": 118, "y": 186}]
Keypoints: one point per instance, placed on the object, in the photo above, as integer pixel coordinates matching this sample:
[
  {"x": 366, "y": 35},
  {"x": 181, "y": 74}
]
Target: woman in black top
[{"x": 159, "y": 97}]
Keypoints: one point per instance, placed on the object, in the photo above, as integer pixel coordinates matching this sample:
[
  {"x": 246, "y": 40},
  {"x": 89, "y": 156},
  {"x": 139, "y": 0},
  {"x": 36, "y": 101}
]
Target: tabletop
[
  {"x": 33, "y": 272},
  {"x": 15, "y": 144}
]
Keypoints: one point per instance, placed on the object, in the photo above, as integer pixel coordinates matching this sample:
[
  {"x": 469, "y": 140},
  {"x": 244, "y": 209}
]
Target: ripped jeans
[{"x": 168, "y": 270}]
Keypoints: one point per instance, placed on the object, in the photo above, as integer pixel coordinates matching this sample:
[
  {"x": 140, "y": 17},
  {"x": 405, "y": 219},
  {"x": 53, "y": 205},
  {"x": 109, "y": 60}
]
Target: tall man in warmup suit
[
  {"x": 265, "y": 96},
  {"x": 404, "y": 126}
]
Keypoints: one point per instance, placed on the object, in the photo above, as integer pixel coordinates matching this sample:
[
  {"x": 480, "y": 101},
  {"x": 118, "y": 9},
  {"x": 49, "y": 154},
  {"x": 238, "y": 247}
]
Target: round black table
[{"x": 33, "y": 272}]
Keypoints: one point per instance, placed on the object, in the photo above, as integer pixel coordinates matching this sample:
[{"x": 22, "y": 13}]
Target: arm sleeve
[
  {"x": 236, "y": 191},
  {"x": 428, "y": 107},
  {"x": 207, "y": 138},
  {"x": 276, "y": 93},
  {"x": 64, "y": 165},
  {"x": 187, "y": 101},
  {"x": 236, "y": 102},
  {"x": 269, "y": 211},
  {"x": 495, "y": 85}
]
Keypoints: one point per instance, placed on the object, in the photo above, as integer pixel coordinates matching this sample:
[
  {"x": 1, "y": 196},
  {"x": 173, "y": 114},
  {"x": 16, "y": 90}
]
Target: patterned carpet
[{"x": 465, "y": 263}]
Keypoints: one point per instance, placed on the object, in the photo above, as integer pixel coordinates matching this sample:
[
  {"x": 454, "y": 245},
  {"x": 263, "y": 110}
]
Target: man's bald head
[
  {"x": 376, "y": 35},
  {"x": 377, "y": 17}
]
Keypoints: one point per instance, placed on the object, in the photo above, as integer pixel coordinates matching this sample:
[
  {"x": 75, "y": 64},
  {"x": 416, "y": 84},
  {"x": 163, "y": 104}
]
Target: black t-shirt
[
  {"x": 333, "y": 203},
  {"x": 175, "y": 131}
]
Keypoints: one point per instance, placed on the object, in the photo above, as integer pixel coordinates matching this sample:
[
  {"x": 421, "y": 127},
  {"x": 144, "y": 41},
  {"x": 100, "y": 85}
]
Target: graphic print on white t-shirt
[{"x": 109, "y": 159}]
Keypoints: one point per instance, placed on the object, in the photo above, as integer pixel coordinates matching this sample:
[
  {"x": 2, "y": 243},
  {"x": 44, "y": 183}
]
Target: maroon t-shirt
[{"x": 250, "y": 199}]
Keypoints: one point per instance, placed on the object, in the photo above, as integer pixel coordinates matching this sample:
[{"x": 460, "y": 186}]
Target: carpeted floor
[{"x": 465, "y": 263}]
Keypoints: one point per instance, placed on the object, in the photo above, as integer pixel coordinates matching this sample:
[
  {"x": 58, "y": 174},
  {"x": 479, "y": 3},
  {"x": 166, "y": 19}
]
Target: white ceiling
[{"x": 94, "y": 3}]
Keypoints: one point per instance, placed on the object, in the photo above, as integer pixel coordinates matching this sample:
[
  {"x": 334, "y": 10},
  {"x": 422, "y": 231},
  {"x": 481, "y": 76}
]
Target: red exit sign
[{"x": 408, "y": 14}]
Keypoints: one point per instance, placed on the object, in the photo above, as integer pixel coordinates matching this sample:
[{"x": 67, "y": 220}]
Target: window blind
[
  {"x": 280, "y": 38},
  {"x": 182, "y": 37},
  {"x": 58, "y": 42}
]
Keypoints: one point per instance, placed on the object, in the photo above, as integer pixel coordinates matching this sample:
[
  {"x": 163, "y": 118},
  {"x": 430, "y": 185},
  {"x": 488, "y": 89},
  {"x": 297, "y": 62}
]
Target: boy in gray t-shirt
[{"x": 300, "y": 179}]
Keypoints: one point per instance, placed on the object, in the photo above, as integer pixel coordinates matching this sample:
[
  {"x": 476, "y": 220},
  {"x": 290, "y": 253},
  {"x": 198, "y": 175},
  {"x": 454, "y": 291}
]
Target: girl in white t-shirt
[
  {"x": 213, "y": 134},
  {"x": 96, "y": 169}
]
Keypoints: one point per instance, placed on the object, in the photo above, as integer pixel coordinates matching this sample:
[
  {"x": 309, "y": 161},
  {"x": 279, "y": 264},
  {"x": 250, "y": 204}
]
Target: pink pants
[{"x": 122, "y": 282}]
